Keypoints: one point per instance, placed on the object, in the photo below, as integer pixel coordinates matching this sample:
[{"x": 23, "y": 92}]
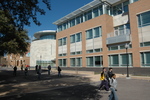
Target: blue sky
[{"x": 59, "y": 8}]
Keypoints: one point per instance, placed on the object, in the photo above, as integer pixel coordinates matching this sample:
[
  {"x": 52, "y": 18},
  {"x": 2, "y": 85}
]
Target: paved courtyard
[{"x": 71, "y": 86}]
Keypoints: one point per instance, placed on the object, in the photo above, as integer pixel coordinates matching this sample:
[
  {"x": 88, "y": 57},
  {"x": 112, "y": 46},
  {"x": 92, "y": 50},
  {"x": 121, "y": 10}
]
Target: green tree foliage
[{"x": 14, "y": 15}]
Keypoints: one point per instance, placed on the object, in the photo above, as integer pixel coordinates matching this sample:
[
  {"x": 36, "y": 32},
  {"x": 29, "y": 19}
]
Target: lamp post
[{"x": 127, "y": 46}]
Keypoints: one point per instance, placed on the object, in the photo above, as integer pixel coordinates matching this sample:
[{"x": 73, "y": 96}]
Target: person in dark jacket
[
  {"x": 59, "y": 71},
  {"x": 15, "y": 70},
  {"x": 109, "y": 74}
]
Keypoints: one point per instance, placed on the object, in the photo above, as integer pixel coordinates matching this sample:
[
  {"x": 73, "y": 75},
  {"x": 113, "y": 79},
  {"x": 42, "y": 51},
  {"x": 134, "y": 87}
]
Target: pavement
[{"x": 73, "y": 85}]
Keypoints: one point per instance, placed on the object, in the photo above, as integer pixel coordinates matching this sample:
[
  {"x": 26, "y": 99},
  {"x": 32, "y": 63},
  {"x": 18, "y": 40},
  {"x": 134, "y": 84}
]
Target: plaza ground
[{"x": 72, "y": 85}]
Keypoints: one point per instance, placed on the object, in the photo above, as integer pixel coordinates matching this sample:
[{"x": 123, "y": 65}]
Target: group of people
[
  {"x": 25, "y": 70},
  {"x": 58, "y": 69},
  {"x": 109, "y": 83}
]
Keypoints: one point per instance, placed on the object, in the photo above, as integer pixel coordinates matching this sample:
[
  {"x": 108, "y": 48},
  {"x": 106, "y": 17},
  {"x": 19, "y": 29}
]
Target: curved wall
[{"x": 42, "y": 50}]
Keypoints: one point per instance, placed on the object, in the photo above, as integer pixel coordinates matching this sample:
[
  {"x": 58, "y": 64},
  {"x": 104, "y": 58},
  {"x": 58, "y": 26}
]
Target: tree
[
  {"x": 14, "y": 15},
  {"x": 22, "y": 11}
]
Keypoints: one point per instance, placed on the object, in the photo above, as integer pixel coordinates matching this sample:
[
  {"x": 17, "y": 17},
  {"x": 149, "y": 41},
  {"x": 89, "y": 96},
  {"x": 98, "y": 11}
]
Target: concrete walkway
[{"x": 73, "y": 85}]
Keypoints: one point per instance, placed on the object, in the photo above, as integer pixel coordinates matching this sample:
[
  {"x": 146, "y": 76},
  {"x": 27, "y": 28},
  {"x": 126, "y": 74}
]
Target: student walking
[
  {"x": 109, "y": 74},
  {"x": 49, "y": 69},
  {"x": 39, "y": 72},
  {"x": 59, "y": 71},
  {"x": 113, "y": 84},
  {"x": 26, "y": 71},
  {"x": 104, "y": 80},
  {"x": 15, "y": 70},
  {"x": 36, "y": 68}
]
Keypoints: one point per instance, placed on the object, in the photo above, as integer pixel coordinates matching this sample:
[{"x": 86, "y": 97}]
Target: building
[
  {"x": 105, "y": 33},
  {"x": 18, "y": 60},
  {"x": 43, "y": 48}
]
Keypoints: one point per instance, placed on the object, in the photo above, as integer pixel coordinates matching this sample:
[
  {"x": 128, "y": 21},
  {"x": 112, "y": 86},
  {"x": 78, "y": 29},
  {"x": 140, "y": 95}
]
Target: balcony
[{"x": 118, "y": 36}]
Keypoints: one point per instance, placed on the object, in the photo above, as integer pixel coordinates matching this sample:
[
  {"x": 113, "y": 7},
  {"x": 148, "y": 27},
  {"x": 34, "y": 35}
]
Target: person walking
[
  {"x": 104, "y": 80},
  {"x": 15, "y": 70},
  {"x": 21, "y": 67},
  {"x": 39, "y": 72},
  {"x": 113, "y": 85},
  {"x": 26, "y": 71},
  {"x": 109, "y": 74},
  {"x": 59, "y": 71},
  {"x": 36, "y": 68},
  {"x": 49, "y": 69}
]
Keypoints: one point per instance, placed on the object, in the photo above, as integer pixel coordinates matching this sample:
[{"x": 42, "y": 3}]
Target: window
[
  {"x": 78, "y": 37},
  {"x": 88, "y": 15},
  {"x": 64, "y": 41},
  {"x": 72, "y": 53},
  {"x": 98, "y": 61},
  {"x": 78, "y": 62},
  {"x": 72, "y": 38},
  {"x": 72, "y": 62},
  {"x": 89, "y": 34},
  {"x": 114, "y": 60},
  {"x": 60, "y": 42},
  {"x": 59, "y": 28},
  {"x": 97, "y": 32},
  {"x": 143, "y": 19},
  {"x": 96, "y": 12},
  {"x": 64, "y": 62},
  {"x": 59, "y": 54},
  {"x": 135, "y": 0},
  {"x": 89, "y": 61},
  {"x": 89, "y": 51},
  {"x": 145, "y": 59},
  {"x": 98, "y": 50},
  {"x": 125, "y": 6},
  {"x": 144, "y": 44},
  {"x": 72, "y": 22},
  {"x": 113, "y": 48},
  {"x": 79, "y": 19},
  {"x": 122, "y": 29},
  {"x": 101, "y": 10},
  {"x": 79, "y": 52}
]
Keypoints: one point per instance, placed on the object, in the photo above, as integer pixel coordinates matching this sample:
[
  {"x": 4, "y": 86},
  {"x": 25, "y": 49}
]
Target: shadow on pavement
[{"x": 78, "y": 92}]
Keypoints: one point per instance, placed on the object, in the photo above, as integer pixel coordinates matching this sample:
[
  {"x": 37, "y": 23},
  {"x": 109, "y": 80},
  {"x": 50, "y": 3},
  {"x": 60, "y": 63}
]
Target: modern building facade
[
  {"x": 43, "y": 48},
  {"x": 105, "y": 33}
]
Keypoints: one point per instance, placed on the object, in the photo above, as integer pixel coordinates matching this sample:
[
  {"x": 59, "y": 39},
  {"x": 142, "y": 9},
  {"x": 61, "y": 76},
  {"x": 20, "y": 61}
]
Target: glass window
[
  {"x": 143, "y": 44},
  {"x": 113, "y": 48},
  {"x": 135, "y": 0},
  {"x": 98, "y": 61},
  {"x": 143, "y": 19},
  {"x": 60, "y": 62},
  {"x": 72, "y": 22},
  {"x": 89, "y": 61},
  {"x": 72, "y": 53},
  {"x": 114, "y": 60},
  {"x": 89, "y": 34},
  {"x": 125, "y": 6},
  {"x": 88, "y": 15},
  {"x": 78, "y": 37},
  {"x": 72, "y": 62},
  {"x": 89, "y": 51},
  {"x": 96, "y": 12},
  {"x": 145, "y": 59},
  {"x": 72, "y": 38},
  {"x": 78, "y": 20},
  {"x": 101, "y": 10},
  {"x": 97, "y": 32},
  {"x": 60, "y": 42},
  {"x": 64, "y": 62},
  {"x": 97, "y": 50},
  {"x": 78, "y": 62},
  {"x": 78, "y": 52},
  {"x": 64, "y": 41}
]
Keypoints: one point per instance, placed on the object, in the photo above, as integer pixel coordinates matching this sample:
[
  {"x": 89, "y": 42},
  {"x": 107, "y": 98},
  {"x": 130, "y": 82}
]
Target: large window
[
  {"x": 75, "y": 38},
  {"x": 145, "y": 59},
  {"x": 88, "y": 15},
  {"x": 72, "y": 22},
  {"x": 96, "y": 12},
  {"x": 93, "y": 33},
  {"x": 144, "y": 19},
  {"x": 62, "y": 41},
  {"x": 144, "y": 44},
  {"x": 94, "y": 61},
  {"x": 75, "y": 62},
  {"x": 121, "y": 8},
  {"x": 118, "y": 47},
  {"x": 120, "y": 60},
  {"x": 62, "y": 62}
]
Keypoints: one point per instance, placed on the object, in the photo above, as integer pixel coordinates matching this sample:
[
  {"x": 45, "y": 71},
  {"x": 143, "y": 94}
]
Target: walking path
[{"x": 73, "y": 85}]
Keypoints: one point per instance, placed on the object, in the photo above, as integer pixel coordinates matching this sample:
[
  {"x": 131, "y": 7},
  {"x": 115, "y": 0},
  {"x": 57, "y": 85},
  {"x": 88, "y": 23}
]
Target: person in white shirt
[{"x": 113, "y": 88}]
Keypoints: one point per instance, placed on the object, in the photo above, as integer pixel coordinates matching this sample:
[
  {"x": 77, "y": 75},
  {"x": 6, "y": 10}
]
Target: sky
[{"x": 59, "y": 9}]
